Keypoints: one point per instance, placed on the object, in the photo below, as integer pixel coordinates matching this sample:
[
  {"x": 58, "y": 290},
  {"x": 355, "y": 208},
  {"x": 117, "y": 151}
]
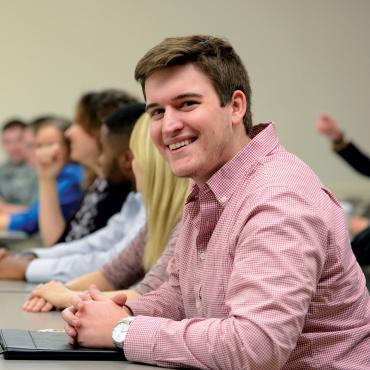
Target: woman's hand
[
  {"x": 49, "y": 161},
  {"x": 48, "y": 296}
]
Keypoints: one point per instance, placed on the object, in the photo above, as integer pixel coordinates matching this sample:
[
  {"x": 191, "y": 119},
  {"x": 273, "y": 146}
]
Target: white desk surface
[{"x": 13, "y": 317}]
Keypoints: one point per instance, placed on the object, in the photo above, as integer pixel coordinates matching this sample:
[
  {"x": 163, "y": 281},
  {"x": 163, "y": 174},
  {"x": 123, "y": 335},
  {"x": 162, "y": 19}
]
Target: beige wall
[{"x": 303, "y": 57}]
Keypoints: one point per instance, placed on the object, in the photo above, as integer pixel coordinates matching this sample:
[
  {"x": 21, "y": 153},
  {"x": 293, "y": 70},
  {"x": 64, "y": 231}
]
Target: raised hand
[{"x": 326, "y": 126}]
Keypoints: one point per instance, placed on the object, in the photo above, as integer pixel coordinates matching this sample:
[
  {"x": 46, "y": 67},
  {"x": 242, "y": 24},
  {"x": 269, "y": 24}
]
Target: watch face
[{"x": 119, "y": 332}]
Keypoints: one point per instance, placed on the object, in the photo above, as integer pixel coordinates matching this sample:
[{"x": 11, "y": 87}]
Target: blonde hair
[{"x": 163, "y": 193}]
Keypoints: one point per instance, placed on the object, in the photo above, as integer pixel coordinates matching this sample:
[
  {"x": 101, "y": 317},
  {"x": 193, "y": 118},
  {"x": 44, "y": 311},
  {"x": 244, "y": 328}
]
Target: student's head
[
  {"x": 50, "y": 135},
  {"x": 29, "y": 138},
  {"x": 116, "y": 157},
  {"x": 12, "y": 141},
  {"x": 84, "y": 133},
  {"x": 198, "y": 97},
  {"x": 163, "y": 193},
  {"x": 85, "y": 130},
  {"x": 112, "y": 99}
]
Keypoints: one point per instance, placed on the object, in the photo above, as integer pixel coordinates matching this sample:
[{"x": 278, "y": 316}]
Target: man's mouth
[{"x": 180, "y": 144}]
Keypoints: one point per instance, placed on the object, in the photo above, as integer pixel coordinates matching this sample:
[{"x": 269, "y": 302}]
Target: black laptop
[{"x": 49, "y": 345}]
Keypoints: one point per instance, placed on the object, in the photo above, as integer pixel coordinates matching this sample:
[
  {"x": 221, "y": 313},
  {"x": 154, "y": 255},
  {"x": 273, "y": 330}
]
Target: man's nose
[{"x": 171, "y": 121}]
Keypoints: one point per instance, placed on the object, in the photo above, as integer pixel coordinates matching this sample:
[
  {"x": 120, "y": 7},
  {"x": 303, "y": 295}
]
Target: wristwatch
[{"x": 120, "y": 331}]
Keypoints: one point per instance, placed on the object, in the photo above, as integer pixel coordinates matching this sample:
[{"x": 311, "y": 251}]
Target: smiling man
[{"x": 263, "y": 275}]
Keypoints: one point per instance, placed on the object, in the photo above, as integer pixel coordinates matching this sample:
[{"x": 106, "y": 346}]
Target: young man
[
  {"x": 66, "y": 261},
  {"x": 263, "y": 275},
  {"x": 18, "y": 180}
]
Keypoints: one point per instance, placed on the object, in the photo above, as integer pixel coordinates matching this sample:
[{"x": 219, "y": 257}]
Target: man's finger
[
  {"x": 119, "y": 299},
  {"x": 84, "y": 296},
  {"x": 96, "y": 294},
  {"x": 76, "y": 301},
  {"x": 70, "y": 331},
  {"x": 70, "y": 318}
]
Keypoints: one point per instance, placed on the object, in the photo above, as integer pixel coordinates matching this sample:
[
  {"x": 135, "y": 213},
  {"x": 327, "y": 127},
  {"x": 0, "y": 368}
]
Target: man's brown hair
[{"x": 214, "y": 56}]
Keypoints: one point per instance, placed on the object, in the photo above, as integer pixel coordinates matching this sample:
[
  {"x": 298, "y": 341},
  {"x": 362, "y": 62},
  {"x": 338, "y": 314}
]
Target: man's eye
[
  {"x": 188, "y": 104},
  {"x": 156, "y": 113}
]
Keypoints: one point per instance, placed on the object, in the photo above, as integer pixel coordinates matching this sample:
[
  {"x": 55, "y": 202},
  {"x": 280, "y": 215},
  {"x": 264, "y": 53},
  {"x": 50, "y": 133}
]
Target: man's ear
[
  {"x": 125, "y": 160},
  {"x": 238, "y": 105}
]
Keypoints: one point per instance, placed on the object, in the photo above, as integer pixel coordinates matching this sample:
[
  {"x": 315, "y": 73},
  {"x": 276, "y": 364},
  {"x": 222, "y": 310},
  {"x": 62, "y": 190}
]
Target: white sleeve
[
  {"x": 119, "y": 226},
  {"x": 89, "y": 256}
]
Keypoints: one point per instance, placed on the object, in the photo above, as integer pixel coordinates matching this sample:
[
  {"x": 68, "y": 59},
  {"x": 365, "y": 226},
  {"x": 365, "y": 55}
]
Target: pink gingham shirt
[
  {"x": 126, "y": 268},
  {"x": 263, "y": 275}
]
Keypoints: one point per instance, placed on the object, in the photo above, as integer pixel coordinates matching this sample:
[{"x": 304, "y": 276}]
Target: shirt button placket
[
  {"x": 202, "y": 256},
  {"x": 198, "y": 301},
  {"x": 198, "y": 305}
]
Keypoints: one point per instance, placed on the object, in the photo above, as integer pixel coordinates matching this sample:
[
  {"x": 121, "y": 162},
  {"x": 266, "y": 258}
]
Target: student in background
[
  {"x": 29, "y": 137},
  {"x": 103, "y": 196},
  {"x": 50, "y": 139},
  {"x": 360, "y": 162},
  {"x": 345, "y": 148},
  {"x": 66, "y": 261},
  {"x": 150, "y": 252},
  {"x": 18, "y": 180}
]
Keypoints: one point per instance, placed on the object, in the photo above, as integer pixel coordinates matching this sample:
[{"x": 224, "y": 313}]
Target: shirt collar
[{"x": 225, "y": 181}]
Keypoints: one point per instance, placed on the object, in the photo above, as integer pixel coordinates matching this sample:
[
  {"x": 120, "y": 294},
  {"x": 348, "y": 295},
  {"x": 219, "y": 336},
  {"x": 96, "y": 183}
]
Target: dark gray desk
[{"x": 12, "y": 317}]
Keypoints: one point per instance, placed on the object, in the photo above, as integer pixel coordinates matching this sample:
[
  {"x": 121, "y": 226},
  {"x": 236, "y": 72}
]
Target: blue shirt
[{"x": 69, "y": 192}]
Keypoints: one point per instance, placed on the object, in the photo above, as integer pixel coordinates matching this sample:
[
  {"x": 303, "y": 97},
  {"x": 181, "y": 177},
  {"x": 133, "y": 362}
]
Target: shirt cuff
[
  {"x": 136, "y": 308},
  {"x": 43, "y": 252},
  {"x": 41, "y": 270},
  {"x": 141, "y": 339}
]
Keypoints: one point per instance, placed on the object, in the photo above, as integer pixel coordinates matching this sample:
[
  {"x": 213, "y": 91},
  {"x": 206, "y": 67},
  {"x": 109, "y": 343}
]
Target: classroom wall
[{"x": 303, "y": 57}]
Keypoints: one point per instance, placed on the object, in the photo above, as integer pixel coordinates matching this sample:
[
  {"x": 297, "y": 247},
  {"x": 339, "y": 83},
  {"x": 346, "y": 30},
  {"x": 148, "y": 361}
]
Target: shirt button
[
  {"x": 202, "y": 256},
  {"x": 223, "y": 199},
  {"x": 198, "y": 304}
]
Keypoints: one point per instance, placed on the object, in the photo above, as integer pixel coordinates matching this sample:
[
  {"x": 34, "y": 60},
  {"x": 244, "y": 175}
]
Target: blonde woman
[{"x": 164, "y": 197}]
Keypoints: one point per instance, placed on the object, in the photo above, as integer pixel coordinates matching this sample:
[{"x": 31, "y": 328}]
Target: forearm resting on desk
[
  {"x": 56, "y": 294},
  {"x": 13, "y": 267},
  {"x": 83, "y": 282},
  {"x": 99, "y": 280}
]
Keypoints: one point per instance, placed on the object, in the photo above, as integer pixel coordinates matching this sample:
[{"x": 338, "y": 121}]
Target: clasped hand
[{"x": 91, "y": 318}]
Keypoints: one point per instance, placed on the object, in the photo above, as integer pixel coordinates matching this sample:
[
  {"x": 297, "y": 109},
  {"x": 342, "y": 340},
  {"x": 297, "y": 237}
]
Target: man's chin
[{"x": 181, "y": 172}]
